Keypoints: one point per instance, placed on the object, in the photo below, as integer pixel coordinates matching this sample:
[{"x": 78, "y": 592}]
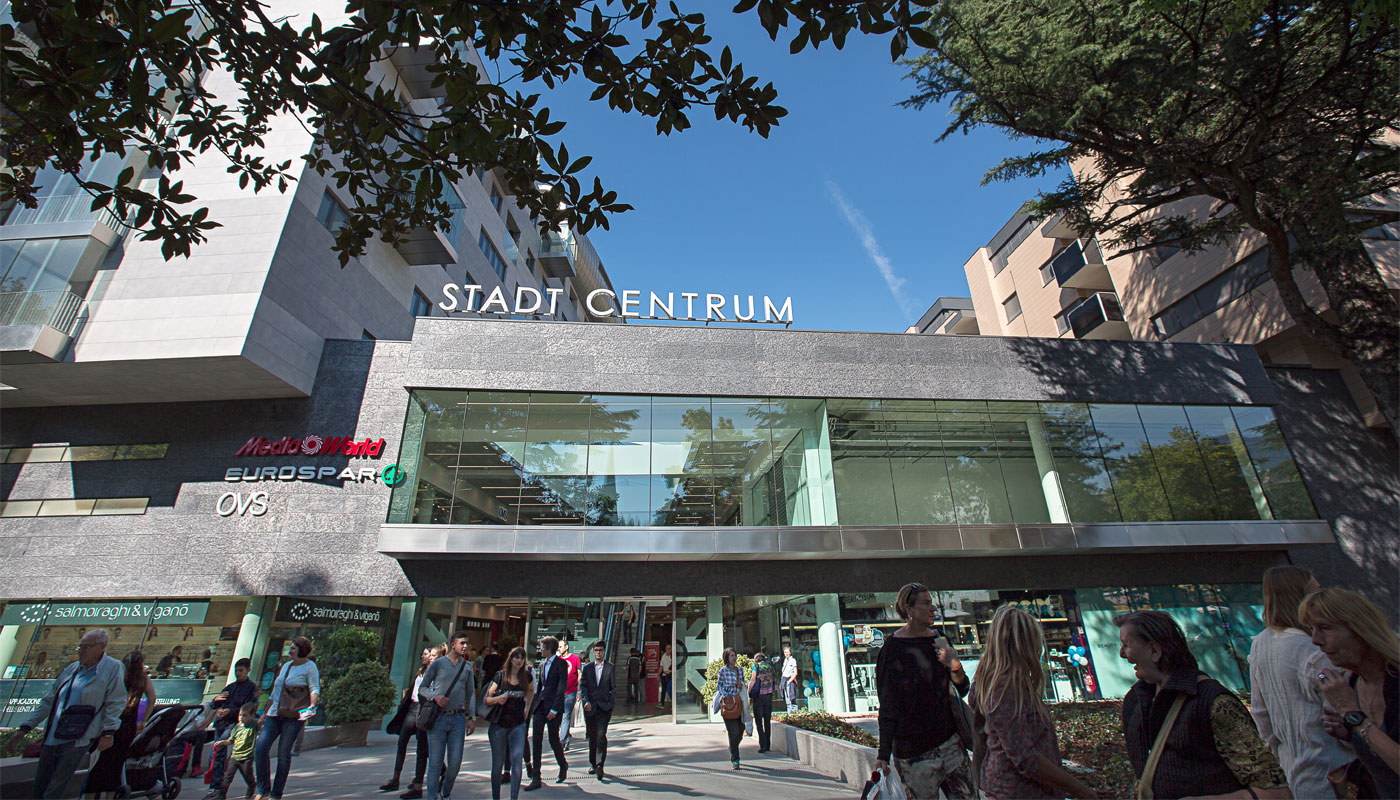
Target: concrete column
[
  {"x": 1045, "y": 465},
  {"x": 251, "y": 633},
  {"x": 714, "y": 640},
  {"x": 829, "y": 644},
  {"x": 405, "y": 662},
  {"x": 9, "y": 643}
]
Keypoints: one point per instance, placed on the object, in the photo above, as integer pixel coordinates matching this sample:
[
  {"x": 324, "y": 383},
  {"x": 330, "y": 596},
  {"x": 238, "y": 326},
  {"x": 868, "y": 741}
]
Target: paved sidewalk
[{"x": 645, "y": 759}]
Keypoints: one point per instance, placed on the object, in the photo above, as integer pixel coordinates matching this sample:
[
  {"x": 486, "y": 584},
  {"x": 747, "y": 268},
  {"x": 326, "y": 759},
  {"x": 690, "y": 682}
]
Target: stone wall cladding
[{"x": 320, "y": 539}]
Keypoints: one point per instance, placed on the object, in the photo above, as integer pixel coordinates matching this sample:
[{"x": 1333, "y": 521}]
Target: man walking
[
  {"x": 570, "y": 691},
  {"x": 552, "y": 679},
  {"x": 598, "y": 694},
  {"x": 789, "y": 679},
  {"x": 227, "y": 704},
  {"x": 449, "y": 682},
  {"x": 84, "y": 704}
]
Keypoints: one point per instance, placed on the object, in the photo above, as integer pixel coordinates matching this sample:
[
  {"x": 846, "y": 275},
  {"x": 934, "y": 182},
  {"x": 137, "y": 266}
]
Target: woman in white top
[
  {"x": 300, "y": 680},
  {"x": 1285, "y": 702}
]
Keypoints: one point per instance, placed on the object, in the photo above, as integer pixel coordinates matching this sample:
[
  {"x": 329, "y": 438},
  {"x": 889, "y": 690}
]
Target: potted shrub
[{"x": 358, "y": 699}]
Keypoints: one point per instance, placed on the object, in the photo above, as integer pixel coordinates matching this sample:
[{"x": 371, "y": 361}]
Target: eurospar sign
[{"x": 256, "y": 503}]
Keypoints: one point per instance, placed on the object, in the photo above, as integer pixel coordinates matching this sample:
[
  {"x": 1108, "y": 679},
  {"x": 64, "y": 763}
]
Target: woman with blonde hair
[
  {"x": 1022, "y": 756},
  {"x": 1285, "y": 702},
  {"x": 1364, "y": 708}
]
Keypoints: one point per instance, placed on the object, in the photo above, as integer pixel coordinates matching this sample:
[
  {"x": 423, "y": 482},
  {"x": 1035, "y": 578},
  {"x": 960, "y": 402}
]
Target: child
[{"x": 240, "y": 757}]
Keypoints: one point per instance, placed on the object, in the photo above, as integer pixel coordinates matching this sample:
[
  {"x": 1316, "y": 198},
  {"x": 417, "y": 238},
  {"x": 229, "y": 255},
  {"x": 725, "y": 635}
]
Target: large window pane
[
  {"x": 619, "y": 461},
  {"x": 1237, "y": 489},
  {"x": 556, "y": 460},
  {"x": 1128, "y": 457},
  {"x": 860, "y": 463},
  {"x": 803, "y": 489},
  {"x": 974, "y": 470},
  {"x": 489, "y": 482},
  {"x": 1013, "y": 423},
  {"x": 1180, "y": 463},
  {"x": 740, "y": 458},
  {"x": 434, "y": 428},
  {"x": 1288, "y": 497},
  {"x": 921, "y": 488},
  {"x": 1074, "y": 445},
  {"x": 683, "y": 487}
]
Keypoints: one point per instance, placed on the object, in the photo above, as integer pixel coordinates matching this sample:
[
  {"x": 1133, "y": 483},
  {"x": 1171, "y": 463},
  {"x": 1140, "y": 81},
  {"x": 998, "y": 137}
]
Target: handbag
[
  {"x": 294, "y": 699},
  {"x": 395, "y": 726},
  {"x": 731, "y": 707},
  {"x": 428, "y": 712},
  {"x": 75, "y": 720},
  {"x": 493, "y": 711},
  {"x": 1352, "y": 781}
]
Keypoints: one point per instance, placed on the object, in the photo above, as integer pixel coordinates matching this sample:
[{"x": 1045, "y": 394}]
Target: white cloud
[{"x": 866, "y": 233}]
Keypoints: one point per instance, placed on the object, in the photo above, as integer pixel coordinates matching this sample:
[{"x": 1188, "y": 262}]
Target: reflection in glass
[
  {"x": 860, "y": 463},
  {"x": 488, "y": 487},
  {"x": 921, "y": 488},
  {"x": 683, "y": 488},
  {"x": 979, "y": 491},
  {"x": 1237, "y": 489},
  {"x": 740, "y": 459},
  {"x": 556, "y": 459},
  {"x": 425, "y": 496},
  {"x": 1014, "y": 424},
  {"x": 619, "y": 461},
  {"x": 1180, "y": 463},
  {"x": 1288, "y": 498},
  {"x": 802, "y": 482},
  {"x": 1074, "y": 445},
  {"x": 1128, "y": 457}
]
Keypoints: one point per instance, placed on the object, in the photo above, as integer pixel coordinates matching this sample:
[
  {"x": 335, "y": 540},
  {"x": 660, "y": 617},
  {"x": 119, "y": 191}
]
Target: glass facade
[{"x": 520, "y": 458}]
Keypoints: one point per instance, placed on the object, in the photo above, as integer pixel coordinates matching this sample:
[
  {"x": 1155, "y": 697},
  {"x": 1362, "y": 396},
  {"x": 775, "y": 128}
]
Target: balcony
[
  {"x": 412, "y": 64},
  {"x": 37, "y": 326},
  {"x": 557, "y": 255},
  {"x": 1099, "y": 317},
  {"x": 428, "y": 245},
  {"x": 1080, "y": 266},
  {"x": 71, "y": 211}
]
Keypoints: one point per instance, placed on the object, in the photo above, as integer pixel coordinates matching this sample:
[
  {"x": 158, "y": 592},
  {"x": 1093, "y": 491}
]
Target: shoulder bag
[
  {"x": 493, "y": 710},
  {"x": 732, "y": 707},
  {"x": 428, "y": 711},
  {"x": 75, "y": 720},
  {"x": 294, "y": 699},
  {"x": 1149, "y": 770},
  {"x": 1352, "y": 781}
]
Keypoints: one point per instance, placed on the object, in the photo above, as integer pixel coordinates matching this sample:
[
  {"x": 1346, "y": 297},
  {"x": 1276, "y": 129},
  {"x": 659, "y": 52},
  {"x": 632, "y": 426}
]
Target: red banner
[{"x": 651, "y": 663}]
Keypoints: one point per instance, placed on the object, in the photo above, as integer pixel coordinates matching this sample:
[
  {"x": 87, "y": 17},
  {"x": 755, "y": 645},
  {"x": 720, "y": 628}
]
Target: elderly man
[{"x": 90, "y": 691}]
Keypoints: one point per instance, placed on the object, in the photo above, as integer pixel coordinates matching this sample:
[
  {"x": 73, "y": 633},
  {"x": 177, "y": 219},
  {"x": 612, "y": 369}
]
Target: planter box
[{"x": 844, "y": 761}]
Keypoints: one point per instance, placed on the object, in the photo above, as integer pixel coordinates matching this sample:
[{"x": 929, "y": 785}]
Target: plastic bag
[{"x": 884, "y": 786}]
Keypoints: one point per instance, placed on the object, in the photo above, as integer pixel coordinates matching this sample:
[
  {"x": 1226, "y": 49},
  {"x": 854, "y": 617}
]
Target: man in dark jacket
[
  {"x": 552, "y": 675},
  {"x": 597, "y": 691}
]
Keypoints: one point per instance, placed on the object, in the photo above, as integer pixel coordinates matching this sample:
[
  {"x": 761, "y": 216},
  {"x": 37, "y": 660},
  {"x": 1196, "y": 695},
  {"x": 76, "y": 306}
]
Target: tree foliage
[
  {"x": 1276, "y": 116},
  {"x": 84, "y": 77}
]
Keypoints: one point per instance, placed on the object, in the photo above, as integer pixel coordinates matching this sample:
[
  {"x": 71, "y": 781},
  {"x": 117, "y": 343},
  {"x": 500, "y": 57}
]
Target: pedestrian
[
  {"x": 761, "y": 699},
  {"x": 598, "y": 693},
  {"x": 295, "y": 693},
  {"x": 1285, "y": 699},
  {"x": 570, "y": 692},
  {"x": 491, "y": 663},
  {"x": 629, "y": 618},
  {"x": 83, "y": 706},
  {"x": 405, "y": 725},
  {"x": 227, "y": 704},
  {"x": 729, "y": 702},
  {"x": 449, "y": 683},
  {"x": 240, "y": 745},
  {"x": 666, "y": 666},
  {"x": 789, "y": 679},
  {"x": 168, "y": 663},
  {"x": 509, "y": 693},
  {"x": 106, "y": 774},
  {"x": 1187, "y": 735},
  {"x": 552, "y": 679},
  {"x": 1022, "y": 756},
  {"x": 1364, "y": 707},
  {"x": 634, "y": 677},
  {"x": 916, "y": 673}
]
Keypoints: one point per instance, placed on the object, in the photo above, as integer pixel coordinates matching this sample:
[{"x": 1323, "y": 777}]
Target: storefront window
[
  {"x": 343, "y": 631},
  {"x": 922, "y": 492},
  {"x": 860, "y": 463},
  {"x": 1180, "y": 461},
  {"x": 1237, "y": 488},
  {"x": 1079, "y": 463},
  {"x": 1131, "y": 466},
  {"x": 1282, "y": 486},
  {"x": 683, "y": 488}
]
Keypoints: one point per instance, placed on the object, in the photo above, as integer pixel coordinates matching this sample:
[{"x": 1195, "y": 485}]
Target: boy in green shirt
[{"x": 240, "y": 758}]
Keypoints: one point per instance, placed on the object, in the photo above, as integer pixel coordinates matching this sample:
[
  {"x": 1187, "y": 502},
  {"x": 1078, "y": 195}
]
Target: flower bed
[
  {"x": 1091, "y": 736},
  {"x": 828, "y": 725}
]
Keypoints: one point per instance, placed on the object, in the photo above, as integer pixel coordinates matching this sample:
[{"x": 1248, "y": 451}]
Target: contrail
[{"x": 863, "y": 229}]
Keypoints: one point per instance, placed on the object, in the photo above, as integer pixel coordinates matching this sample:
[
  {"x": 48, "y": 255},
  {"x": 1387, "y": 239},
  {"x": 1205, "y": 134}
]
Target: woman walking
[
  {"x": 761, "y": 699},
  {"x": 1286, "y": 702},
  {"x": 729, "y": 702},
  {"x": 106, "y": 774},
  {"x": 915, "y": 677},
  {"x": 512, "y": 690},
  {"x": 295, "y": 693},
  {"x": 1187, "y": 735},
  {"x": 1365, "y": 707},
  {"x": 1022, "y": 758},
  {"x": 407, "y": 719}
]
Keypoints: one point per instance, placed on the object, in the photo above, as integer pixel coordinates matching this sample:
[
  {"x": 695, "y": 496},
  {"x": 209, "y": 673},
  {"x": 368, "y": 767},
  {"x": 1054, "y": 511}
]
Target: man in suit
[
  {"x": 596, "y": 690},
  {"x": 548, "y": 711}
]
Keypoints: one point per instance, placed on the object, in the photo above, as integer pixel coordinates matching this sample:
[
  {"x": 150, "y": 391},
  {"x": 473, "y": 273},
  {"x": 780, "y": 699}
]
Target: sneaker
[{"x": 736, "y": 765}]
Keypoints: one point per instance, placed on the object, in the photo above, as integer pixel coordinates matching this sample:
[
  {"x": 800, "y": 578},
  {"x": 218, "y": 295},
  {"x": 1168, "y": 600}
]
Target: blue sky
[{"x": 849, "y": 206}]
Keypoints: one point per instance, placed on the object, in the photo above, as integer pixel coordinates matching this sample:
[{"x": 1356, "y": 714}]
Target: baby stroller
[{"x": 146, "y": 771}]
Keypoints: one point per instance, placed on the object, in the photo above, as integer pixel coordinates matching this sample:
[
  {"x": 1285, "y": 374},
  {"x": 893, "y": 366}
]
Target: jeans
[
  {"x": 790, "y": 695},
  {"x": 596, "y": 724},
  {"x": 735, "y": 729},
  {"x": 506, "y": 743},
  {"x": 665, "y": 688},
  {"x": 222, "y": 727},
  {"x": 570, "y": 700},
  {"x": 57, "y": 763},
  {"x": 537, "y": 743},
  {"x": 284, "y": 732},
  {"x": 763, "y": 720},
  {"x": 410, "y": 731},
  {"x": 945, "y": 767},
  {"x": 445, "y": 750}
]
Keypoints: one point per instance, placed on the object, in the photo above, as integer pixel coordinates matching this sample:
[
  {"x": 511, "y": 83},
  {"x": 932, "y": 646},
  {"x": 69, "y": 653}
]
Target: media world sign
[
  {"x": 676, "y": 306},
  {"x": 312, "y": 446}
]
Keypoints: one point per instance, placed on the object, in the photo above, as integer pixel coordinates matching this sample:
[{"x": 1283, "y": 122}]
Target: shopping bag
[{"x": 883, "y": 786}]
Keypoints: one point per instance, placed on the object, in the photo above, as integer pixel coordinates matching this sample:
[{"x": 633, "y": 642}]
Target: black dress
[{"x": 106, "y": 774}]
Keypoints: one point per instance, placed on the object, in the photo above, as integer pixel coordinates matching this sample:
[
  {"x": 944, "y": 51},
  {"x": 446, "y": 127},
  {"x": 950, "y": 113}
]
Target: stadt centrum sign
[{"x": 675, "y": 306}]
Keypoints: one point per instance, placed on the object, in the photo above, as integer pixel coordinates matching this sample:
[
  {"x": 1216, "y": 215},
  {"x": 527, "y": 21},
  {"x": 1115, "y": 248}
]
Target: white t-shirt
[
  {"x": 665, "y": 663},
  {"x": 417, "y": 684},
  {"x": 789, "y": 667}
]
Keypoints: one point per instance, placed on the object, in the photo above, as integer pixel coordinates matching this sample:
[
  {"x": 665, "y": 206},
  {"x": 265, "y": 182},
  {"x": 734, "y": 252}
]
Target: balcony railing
[
  {"x": 557, "y": 254},
  {"x": 1080, "y": 266},
  {"x": 1099, "y": 317},
  {"x": 57, "y": 309},
  {"x": 62, "y": 208}
]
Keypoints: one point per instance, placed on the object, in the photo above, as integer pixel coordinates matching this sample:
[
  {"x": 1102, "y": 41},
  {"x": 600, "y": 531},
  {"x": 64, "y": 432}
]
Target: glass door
[{"x": 689, "y": 643}]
